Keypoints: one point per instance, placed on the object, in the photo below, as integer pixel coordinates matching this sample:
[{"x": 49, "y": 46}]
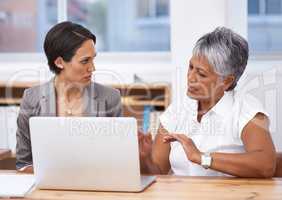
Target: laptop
[{"x": 87, "y": 153}]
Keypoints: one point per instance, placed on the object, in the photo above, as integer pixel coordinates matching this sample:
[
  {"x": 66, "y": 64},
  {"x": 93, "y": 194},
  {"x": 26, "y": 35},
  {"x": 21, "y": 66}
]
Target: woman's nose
[
  {"x": 191, "y": 76},
  {"x": 91, "y": 67}
]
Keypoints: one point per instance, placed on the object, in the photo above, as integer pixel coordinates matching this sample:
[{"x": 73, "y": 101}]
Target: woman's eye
[
  {"x": 84, "y": 61},
  {"x": 202, "y": 75}
]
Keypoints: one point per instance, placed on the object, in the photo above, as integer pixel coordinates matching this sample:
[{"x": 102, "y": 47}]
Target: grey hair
[{"x": 226, "y": 51}]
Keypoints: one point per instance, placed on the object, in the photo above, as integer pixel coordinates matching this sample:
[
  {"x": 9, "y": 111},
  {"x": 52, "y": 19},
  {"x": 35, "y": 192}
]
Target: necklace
[
  {"x": 69, "y": 98},
  {"x": 70, "y": 110}
]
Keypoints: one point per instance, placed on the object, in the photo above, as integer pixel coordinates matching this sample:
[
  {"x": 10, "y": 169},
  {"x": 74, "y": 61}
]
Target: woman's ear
[
  {"x": 228, "y": 81},
  {"x": 59, "y": 62}
]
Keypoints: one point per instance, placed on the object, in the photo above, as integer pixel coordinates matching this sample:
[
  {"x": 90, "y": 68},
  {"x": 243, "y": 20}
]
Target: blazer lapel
[
  {"x": 48, "y": 99},
  {"x": 90, "y": 101}
]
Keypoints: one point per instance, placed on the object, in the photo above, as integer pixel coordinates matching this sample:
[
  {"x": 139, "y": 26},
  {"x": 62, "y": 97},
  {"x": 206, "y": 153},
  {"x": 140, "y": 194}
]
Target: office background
[{"x": 146, "y": 41}]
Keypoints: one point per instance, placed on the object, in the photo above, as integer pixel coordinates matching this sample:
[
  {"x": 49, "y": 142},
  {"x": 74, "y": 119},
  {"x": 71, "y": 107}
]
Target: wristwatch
[{"x": 206, "y": 160}]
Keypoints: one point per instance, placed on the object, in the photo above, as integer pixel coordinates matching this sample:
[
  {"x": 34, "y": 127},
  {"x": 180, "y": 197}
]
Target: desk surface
[{"x": 175, "y": 187}]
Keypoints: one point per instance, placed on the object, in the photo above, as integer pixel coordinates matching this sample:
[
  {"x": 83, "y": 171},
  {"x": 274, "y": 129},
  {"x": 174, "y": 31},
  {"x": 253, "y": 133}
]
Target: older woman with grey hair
[{"x": 216, "y": 131}]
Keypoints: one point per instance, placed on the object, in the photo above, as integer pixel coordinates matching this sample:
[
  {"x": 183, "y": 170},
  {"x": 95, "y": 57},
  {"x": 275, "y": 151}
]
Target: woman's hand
[
  {"x": 192, "y": 152},
  {"x": 145, "y": 145},
  {"x": 27, "y": 169},
  {"x": 153, "y": 155}
]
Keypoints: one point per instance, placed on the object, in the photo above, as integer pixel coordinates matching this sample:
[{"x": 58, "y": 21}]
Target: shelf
[
  {"x": 10, "y": 101},
  {"x": 135, "y": 94},
  {"x": 18, "y": 84},
  {"x": 128, "y": 101},
  {"x": 5, "y": 153},
  {"x": 28, "y": 84},
  {"x": 125, "y": 101},
  {"x": 150, "y": 86}
]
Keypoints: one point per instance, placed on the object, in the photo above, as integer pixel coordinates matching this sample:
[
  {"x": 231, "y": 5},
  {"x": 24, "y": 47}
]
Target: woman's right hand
[
  {"x": 145, "y": 146},
  {"x": 27, "y": 169},
  {"x": 154, "y": 156}
]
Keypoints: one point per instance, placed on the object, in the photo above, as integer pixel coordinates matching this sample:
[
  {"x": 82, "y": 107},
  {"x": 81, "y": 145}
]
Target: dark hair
[{"x": 63, "y": 40}]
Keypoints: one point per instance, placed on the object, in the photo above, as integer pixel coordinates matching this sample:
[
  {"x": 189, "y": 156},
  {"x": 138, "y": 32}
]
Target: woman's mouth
[
  {"x": 192, "y": 89},
  {"x": 88, "y": 77}
]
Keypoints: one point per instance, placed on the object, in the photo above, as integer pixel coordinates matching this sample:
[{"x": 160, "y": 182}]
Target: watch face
[{"x": 206, "y": 161}]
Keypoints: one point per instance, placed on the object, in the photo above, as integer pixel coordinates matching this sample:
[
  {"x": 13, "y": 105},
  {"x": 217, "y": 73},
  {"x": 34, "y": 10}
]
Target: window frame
[
  {"x": 262, "y": 18},
  {"x": 115, "y": 57},
  {"x": 262, "y": 10},
  {"x": 152, "y": 10}
]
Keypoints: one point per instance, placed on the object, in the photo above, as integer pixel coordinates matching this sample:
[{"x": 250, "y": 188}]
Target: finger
[
  {"x": 179, "y": 138},
  {"x": 140, "y": 133},
  {"x": 179, "y": 134},
  {"x": 141, "y": 136},
  {"x": 148, "y": 137},
  {"x": 139, "y": 139},
  {"x": 182, "y": 136},
  {"x": 141, "y": 146},
  {"x": 169, "y": 138},
  {"x": 146, "y": 141},
  {"x": 148, "y": 133},
  {"x": 186, "y": 139}
]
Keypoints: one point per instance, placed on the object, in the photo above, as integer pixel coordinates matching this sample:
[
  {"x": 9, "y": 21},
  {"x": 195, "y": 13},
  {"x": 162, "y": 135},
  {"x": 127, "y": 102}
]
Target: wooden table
[{"x": 186, "y": 188}]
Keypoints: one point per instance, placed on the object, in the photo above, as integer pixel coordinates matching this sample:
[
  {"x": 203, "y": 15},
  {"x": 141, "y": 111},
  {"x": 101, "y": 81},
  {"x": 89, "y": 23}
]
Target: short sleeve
[
  {"x": 250, "y": 106},
  {"x": 169, "y": 118}
]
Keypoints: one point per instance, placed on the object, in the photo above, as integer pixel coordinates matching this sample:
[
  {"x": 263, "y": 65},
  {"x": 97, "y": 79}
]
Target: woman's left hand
[{"x": 192, "y": 152}]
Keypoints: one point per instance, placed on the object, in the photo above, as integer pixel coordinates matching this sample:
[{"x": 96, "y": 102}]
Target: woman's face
[
  {"x": 203, "y": 82},
  {"x": 79, "y": 69}
]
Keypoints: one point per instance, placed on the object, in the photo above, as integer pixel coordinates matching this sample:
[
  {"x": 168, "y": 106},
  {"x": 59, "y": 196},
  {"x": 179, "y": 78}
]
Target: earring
[{"x": 60, "y": 66}]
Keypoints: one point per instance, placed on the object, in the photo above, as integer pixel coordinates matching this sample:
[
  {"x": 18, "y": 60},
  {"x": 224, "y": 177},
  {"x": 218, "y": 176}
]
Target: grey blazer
[{"x": 99, "y": 101}]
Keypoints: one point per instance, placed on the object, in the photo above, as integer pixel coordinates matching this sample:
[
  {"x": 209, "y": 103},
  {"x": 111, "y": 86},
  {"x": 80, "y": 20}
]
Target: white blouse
[{"x": 219, "y": 130}]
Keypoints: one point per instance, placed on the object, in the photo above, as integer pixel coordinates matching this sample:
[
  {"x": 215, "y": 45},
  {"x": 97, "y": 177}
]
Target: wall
[
  {"x": 263, "y": 79},
  {"x": 192, "y": 19},
  {"x": 189, "y": 20},
  {"x": 111, "y": 67}
]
